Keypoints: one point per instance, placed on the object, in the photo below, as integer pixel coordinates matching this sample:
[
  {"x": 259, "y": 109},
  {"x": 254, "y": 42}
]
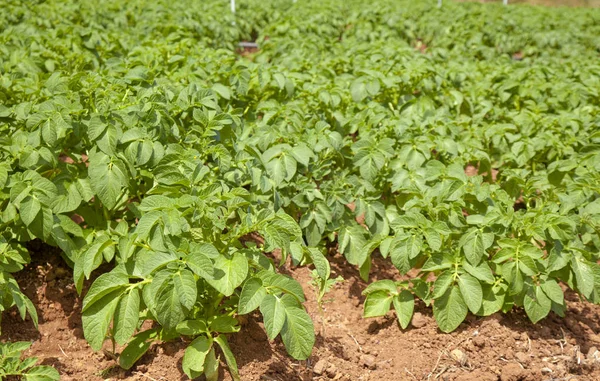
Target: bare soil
[{"x": 495, "y": 348}]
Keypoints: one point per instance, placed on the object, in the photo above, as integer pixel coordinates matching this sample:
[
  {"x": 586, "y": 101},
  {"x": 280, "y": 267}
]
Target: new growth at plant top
[{"x": 466, "y": 141}]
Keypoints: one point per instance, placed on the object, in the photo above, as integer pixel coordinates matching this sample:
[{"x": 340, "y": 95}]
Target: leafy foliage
[
  {"x": 461, "y": 144},
  {"x": 12, "y": 364}
]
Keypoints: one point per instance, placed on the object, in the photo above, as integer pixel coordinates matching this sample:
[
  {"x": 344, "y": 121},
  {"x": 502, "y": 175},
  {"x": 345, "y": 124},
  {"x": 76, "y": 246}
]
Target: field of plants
[{"x": 379, "y": 190}]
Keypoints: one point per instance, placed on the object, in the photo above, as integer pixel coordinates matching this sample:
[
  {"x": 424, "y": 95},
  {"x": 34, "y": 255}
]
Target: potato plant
[{"x": 461, "y": 144}]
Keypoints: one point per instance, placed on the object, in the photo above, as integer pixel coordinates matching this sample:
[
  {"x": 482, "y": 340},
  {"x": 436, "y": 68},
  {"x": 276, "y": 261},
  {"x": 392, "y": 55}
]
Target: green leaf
[
  {"x": 211, "y": 366},
  {"x": 42, "y": 224},
  {"x": 377, "y": 303},
  {"x": 450, "y": 310},
  {"x": 229, "y": 273},
  {"x": 382, "y": 285},
  {"x": 200, "y": 264},
  {"x": 442, "y": 283},
  {"x": 251, "y": 296},
  {"x": 225, "y": 324},
  {"x": 169, "y": 309},
  {"x": 97, "y": 317},
  {"x": 433, "y": 238},
  {"x": 195, "y": 356},
  {"x": 192, "y": 327},
  {"x": 352, "y": 242},
  {"x": 108, "y": 178},
  {"x": 229, "y": 357},
  {"x": 185, "y": 286},
  {"x": 537, "y": 304},
  {"x": 584, "y": 275},
  {"x": 553, "y": 291},
  {"x": 136, "y": 348},
  {"x": 29, "y": 209},
  {"x": 482, "y": 271},
  {"x": 474, "y": 243},
  {"x": 41, "y": 373},
  {"x": 493, "y": 299},
  {"x": 273, "y": 312},
  {"x": 471, "y": 291},
  {"x": 404, "y": 304},
  {"x": 321, "y": 263},
  {"x": 126, "y": 316},
  {"x": 298, "y": 333}
]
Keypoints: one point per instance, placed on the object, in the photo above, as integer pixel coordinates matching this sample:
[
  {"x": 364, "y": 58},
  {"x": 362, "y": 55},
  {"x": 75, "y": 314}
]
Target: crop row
[{"x": 462, "y": 144}]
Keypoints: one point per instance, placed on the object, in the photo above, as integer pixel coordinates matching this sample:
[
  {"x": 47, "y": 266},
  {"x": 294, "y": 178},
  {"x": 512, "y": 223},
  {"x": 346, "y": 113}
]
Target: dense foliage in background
[{"x": 463, "y": 144}]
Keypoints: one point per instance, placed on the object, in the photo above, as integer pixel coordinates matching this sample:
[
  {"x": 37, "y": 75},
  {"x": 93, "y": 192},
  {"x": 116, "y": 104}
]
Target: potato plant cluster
[{"x": 462, "y": 144}]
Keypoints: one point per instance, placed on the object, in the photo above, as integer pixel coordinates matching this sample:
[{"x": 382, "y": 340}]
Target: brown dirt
[{"x": 495, "y": 348}]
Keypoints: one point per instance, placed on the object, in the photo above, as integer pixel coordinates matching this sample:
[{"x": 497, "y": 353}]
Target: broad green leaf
[
  {"x": 442, "y": 283},
  {"x": 97, "y": 317},
  {"x": 192, "y": 327},
  {"x": 474, "y": 244},
  {"x": 29, "y": 209},
  {"x": 298, "y": 333},
  {"x": 185, "y": 287},
  {"x": 553, "y": 291},
  {"x": 471, "y": 291},
  {"x": 377, "y": 303},
  {"x": 225, "y": 324},
  {"x": 229, "y": 357},
  {"x": 229, "y": 273},
  {"x": 195, "y": 356},
  {"x": 352, "y": 242},
  {"x": 493, "y": 299},
  {"x": 584, "y": 275},
  {"x": 450, "y": 309},
  {"x": 167, "y": 303},
  {"x": 273, "y": 312},
  {"x": 104, "y": 285},
  {"x": 136, "y": 348},
  {"x": 41, "y": 373},
  {"x": 108, "y": 178},
  {"x": 126, "y": 316},
  {"x": 211, "y": 366},
  {"x": 537, "y": 304},
  {"x": 251, "y": 296},
  {"x": 404, "y": 304}
]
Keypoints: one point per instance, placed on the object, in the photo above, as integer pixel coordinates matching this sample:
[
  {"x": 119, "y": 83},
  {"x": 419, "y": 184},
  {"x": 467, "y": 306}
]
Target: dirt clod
[
  {"x": 460, "y": 357},
  {"x": 320, "y": 367},
  {"x": 523, "y": 358},
  {"x": 512, "y": 372},
  {"x": 418, "y": 320},
  {"x": 368, "y": 361}
]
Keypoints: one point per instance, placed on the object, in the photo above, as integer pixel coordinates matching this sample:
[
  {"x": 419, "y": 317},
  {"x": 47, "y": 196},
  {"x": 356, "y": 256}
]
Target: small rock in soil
[
  {"x": 332, "y": 371},
  {"x": 460, "y": 357},
  {"x": 319, "y": 367},
  {"x": 418, "y": 320},
  {"x": 512, "y": 372},
  {"x": 593, "y": 354},
  {"x": 479, "y": 341},
  {"x": 523, "y": 358},
  {"x": 368, "y": 361}
]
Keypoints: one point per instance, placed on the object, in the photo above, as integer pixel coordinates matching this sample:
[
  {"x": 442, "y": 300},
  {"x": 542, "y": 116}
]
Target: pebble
[
  {"x": 460, "y": 357},
  {"x": 593, "y": 354},
  {"x": 332, "y": 371},
  {"x": 523, "y": 358},
  {"x": 368, "y": 361},
  {"x": 418, "y": 320},
  {"x": 319, "y": 367},
  {"x": 479, "y": 341}
]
